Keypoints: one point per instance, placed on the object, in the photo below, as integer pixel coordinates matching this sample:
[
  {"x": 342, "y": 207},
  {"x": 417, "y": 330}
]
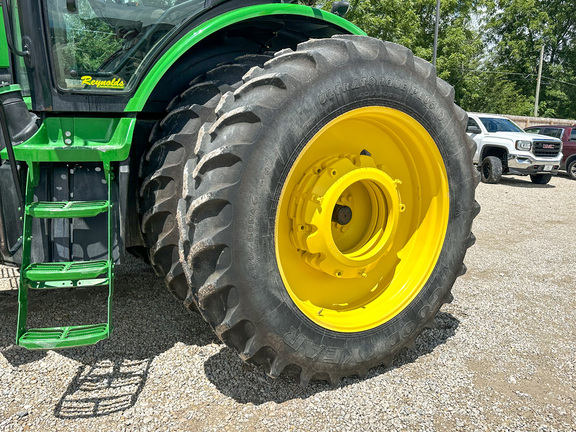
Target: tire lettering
[
  {"x": 373, "y": 82},
  {"x": 298, "y": 342},
  {"x": 331, "y": 355},
  {"x": 407, "y": 329},
  {"x": 294, "y": 339},
  {"x": 350, "y": 357},
  {"x": 392, "y": 342},
  {"x": 428, "y": 101},
  {"x": 425, "y": 312},
  {"x": 312, "y": 351},
  {"x": 250, "y": 230}
]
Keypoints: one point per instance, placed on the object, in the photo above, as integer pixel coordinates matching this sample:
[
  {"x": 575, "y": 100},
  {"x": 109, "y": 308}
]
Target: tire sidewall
[{"x": 285, "y": 131}]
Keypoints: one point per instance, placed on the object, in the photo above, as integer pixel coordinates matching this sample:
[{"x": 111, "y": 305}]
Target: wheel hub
[
  {"x": 342, "y": 214},
  {"x": 345, "y": 212}
]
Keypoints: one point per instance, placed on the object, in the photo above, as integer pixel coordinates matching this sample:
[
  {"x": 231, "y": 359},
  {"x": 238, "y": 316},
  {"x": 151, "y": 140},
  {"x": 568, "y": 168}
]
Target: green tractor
[{"x": 308, "y": 189}]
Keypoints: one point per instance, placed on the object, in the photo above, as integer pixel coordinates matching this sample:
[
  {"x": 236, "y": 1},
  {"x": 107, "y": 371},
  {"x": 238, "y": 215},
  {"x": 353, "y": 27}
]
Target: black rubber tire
[
  {"x": 228, "y": 210},
  {"x": 161, "y": 170},
  {"x": 571, "y": 169},
  {"x": 491, "y": 170},
  {"x": 540, "y": 178}
]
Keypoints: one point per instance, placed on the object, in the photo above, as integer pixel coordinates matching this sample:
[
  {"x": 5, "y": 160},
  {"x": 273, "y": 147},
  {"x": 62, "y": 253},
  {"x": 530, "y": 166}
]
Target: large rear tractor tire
[
  {"x": 161, "y": 171},
  {"x": 328, "y": 211}
]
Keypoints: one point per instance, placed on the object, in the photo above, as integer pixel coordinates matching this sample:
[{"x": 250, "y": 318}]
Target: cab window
[{"x": 99, "y": 45}]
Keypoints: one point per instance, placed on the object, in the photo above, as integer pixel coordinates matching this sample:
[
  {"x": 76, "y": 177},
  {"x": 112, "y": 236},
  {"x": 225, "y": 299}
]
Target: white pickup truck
[{"x": 504, "y": 148}]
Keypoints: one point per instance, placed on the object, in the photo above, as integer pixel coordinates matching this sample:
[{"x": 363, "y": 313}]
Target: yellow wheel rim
[{"x": 361, "y": 219}]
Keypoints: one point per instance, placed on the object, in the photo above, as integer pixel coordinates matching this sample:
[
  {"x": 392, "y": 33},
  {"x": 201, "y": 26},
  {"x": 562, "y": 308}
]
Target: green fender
[
  {"x": 4, "y": 55},
  {"x": 137, "y": 102}
]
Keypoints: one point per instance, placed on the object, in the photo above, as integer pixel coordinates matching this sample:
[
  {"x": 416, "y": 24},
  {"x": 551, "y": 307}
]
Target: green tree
[
  {"x": 411, "y": 23},
  {"x": 517, "y": 29},
  {"x": 496, "y": 94}
]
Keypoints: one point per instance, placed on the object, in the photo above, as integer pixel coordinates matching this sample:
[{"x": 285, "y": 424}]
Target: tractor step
[
  {"x": 64, "y": 337},
  {"x": 66, "y": 209},
  {"x": 65, "y": 271},
  {"x": 54, "y": 275},
  {"x": 82, "y": 283}
]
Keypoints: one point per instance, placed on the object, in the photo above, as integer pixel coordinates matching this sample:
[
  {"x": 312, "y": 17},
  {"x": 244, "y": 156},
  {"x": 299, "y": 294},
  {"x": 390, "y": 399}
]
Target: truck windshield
[
  {"x": 99, "y": 45},
  {"x": 495, "y": 124}
]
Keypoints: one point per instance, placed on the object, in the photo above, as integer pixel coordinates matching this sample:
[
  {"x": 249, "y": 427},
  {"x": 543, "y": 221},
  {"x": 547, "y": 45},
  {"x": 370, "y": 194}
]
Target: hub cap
[{"x": 366, "y": 200}]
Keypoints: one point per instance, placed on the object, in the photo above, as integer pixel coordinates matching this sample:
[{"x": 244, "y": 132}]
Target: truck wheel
[
  {"x": 329, "y": 208},
  {"x": 173, "y": 141},
  {"x": 491, "y": 170},
  {"x": 571, "y": 169},
  {"x": 540, "y": 178}
]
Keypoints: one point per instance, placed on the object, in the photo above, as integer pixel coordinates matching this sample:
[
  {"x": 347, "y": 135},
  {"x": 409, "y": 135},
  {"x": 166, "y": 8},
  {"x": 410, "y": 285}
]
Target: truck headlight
[{"x": 523, "y": 145}]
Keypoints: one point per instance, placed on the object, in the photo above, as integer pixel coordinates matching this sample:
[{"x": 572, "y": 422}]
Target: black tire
[
  {"x": 540, "y": 178},
  {"x": 571, "y": 169},
  {"x": 230, "y": 202},
  {"x": 491, "y": 170},
  {"x": 172, "y": 143}
]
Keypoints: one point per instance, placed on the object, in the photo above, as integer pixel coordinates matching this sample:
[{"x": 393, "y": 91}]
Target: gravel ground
[{"x": 503, "y": 357}]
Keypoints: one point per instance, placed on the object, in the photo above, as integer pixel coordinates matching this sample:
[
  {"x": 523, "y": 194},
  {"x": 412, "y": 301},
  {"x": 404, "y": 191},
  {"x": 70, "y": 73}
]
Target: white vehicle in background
[{"x": 504, "y": 148}]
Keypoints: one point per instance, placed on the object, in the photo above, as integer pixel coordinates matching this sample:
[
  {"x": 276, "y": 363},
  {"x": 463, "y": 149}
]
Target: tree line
[{"x": 489, "y": 50}]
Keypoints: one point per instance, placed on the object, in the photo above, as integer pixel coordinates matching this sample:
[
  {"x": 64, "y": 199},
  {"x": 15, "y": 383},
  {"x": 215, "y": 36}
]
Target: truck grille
[{"x": 546, "y": 149}]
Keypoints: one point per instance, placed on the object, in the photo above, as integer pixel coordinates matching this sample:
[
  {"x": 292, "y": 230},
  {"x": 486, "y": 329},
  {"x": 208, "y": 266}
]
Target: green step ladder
[
  {"x": 76, "y": 140},
  {"x": 54, "y": 275}
]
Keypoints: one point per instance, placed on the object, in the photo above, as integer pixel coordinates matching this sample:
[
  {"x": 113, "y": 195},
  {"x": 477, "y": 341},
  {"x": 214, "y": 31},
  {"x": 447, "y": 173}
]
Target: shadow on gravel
[
  {"x": 147, "y": 322},
  {"x": 524, "y": 183},
  {"x": 103, "y": 388},
  {"x": 249, "y": 385}
]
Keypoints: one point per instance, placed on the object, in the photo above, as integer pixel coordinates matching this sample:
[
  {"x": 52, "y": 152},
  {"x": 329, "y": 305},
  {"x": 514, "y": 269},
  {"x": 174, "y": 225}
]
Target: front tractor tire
[{"x": 328, "y": 210}]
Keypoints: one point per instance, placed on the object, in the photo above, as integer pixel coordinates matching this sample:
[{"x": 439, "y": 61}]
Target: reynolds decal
[{"x": 116, "y": 83}]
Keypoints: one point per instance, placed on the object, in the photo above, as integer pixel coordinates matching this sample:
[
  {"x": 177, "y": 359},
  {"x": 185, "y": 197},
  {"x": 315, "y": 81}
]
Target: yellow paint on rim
[{"x": 382, "y": 166}]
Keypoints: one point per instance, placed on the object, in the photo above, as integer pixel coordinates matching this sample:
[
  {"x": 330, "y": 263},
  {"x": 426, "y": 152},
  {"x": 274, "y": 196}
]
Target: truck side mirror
[
  {"x": 340, "y": 8},
  {"x": 473, "y": 129}
]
